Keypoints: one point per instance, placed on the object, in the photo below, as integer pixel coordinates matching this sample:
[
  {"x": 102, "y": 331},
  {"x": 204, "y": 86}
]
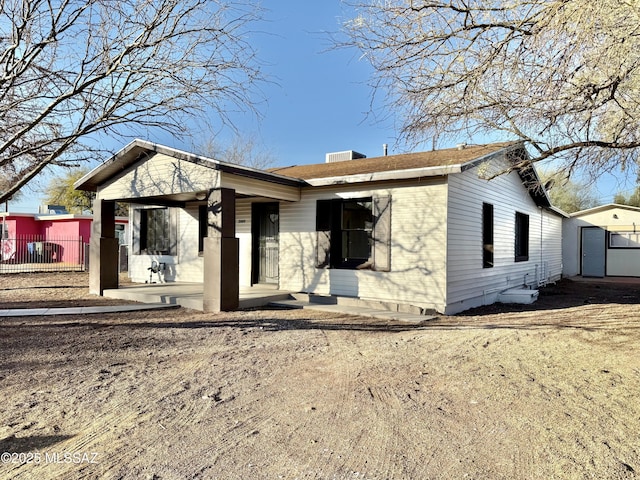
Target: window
[
  {"x": 157, "y": 228},
  {"x": 522, "y": 237},
  {"x": 354, "y": 233},
  {"x": 203, "y": 227},
  {"x": 624, "y": 240},
  {"x": 356, "y": 230},
  {"x": 487, "y": 235},
  {"x": 120, "y": 231}
]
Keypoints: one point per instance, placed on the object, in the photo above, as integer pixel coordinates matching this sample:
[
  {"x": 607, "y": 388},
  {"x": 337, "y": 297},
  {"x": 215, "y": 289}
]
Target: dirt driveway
[{"x": 549, "y": 391}]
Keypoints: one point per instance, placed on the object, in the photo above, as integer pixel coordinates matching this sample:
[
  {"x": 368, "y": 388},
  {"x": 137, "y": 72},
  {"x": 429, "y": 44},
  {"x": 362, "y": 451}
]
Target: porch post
[
  {"x": 221, "y": 253},
  {"x": 103, "y": 248}
]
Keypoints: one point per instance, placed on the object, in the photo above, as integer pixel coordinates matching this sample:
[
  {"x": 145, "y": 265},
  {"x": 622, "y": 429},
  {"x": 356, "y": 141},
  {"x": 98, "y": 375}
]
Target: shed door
[{"x": 593, "y": 252}]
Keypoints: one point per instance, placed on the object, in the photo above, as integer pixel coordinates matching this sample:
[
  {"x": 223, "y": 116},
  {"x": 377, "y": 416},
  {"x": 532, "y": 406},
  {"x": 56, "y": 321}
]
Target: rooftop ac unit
[{"x": 342, "y": 156}]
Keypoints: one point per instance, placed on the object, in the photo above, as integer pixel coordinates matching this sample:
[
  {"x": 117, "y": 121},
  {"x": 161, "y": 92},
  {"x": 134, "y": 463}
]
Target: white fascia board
[
  {"x": 60, "y": 216},
  {"x": 389, "y": 175},
  {"x": 558, "y": 211},
  {"x": 602, "y": 208}
]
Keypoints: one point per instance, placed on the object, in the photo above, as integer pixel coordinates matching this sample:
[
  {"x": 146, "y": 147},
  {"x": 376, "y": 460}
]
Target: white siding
[
  {"x": 468, "y": 283},
  {"x": 243, "y": 232},
  {"x": 418, "y": 232},
  {"x": 160, "y": 175},
  {"x": 186, "y": 266},
  {"x": 259, "y": 188}
]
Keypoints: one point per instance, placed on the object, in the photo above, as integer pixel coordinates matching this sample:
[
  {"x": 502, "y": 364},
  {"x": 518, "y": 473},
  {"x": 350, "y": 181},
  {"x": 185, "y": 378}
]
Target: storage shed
[{"x": 602, "y": 242}]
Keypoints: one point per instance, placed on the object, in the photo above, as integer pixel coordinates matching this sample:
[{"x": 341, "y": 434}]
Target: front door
[
  {"x": 265, "y": 232},
  {"x": 593, "y": 252}
]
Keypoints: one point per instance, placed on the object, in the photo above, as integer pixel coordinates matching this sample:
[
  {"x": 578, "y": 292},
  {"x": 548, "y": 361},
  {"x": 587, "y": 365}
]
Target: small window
[
  {"x": 203, "y": 227},
  {"x": 157, "y": 232},
  {"x": 120, "y": 231},
  {"x": 487, "y": 235},
  {"x": 522, "y": 237},
  {"x": 624, "y": 240}
]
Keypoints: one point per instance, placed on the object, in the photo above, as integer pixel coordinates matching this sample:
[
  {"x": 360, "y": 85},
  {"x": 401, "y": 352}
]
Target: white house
[
  {"x": 445, "y": 230},
  {"x": 602, "y": 241}
]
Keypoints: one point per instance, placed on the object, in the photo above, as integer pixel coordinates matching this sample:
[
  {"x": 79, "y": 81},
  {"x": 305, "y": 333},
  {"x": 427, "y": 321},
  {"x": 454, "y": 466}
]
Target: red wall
[
  {"x": 24, "y": 226},
  {"x": 69, "y": 235}
]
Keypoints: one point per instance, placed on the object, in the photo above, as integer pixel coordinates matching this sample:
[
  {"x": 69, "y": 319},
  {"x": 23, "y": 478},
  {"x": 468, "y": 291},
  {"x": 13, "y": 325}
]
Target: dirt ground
[{"x": 537, "y": 392}]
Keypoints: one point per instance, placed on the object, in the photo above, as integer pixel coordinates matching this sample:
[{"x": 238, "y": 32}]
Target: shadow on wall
[{"x": 417, "y": 266}]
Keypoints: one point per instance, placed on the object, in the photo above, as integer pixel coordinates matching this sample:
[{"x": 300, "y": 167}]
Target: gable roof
[
  {"x": 138, "y": 149},
  {"x": 391, "y": 167},
  {"x": 423, "y": 164},
  {"x": 604, "y": 208},
  {"x": 438, "y": 162}
]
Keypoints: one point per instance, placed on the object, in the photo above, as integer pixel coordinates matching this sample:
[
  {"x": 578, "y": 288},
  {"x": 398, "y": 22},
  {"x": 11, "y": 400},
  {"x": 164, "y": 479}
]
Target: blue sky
[{"x": 318, "y": 101}]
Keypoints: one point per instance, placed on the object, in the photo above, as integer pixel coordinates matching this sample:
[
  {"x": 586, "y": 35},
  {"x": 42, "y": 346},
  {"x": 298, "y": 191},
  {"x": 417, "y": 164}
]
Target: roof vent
[{"x": 342, "y": 156}]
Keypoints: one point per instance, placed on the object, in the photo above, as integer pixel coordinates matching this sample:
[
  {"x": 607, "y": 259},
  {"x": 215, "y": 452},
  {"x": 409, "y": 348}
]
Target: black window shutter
[
  {"x": 139, "y": 221},
  {"x": 173, "y": 231},
  {"x": 323, "y": 233}
]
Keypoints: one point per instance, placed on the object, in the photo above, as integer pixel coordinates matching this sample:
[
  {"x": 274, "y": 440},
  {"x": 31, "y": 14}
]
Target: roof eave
[
  {"x": 131, "y": 153},
  {"x": 387, "y": 175},
  {"x": 607, "y": 206}
]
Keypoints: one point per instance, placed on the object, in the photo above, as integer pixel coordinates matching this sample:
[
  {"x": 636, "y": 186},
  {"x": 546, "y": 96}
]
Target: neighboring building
[
  {"x": 438, "y": 230},
  {"x": 33, "y": 237},
  {"x": 602, "y": 241}
]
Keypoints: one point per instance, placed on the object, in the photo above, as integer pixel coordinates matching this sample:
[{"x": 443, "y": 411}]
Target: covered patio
[{"x": 184, "y": 220}]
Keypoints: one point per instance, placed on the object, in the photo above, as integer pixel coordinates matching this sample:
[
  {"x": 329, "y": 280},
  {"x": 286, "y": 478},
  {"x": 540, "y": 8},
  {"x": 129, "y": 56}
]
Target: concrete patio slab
[{"x": 190, "y": 295}]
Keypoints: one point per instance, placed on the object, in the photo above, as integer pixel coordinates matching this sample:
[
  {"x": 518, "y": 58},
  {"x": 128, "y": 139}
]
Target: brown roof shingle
[{"x": 406, "y": 161}]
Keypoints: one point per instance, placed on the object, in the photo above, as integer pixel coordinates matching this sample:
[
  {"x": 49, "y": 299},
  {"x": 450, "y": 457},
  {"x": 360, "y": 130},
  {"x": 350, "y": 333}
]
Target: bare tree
[
  {"x": 72, "y": 70},
  {"x": 562, "y": 75},
  {"x": 242, "y": 150}
]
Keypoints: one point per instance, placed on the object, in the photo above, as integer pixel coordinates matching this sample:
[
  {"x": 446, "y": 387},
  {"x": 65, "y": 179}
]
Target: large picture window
[
  {"x": 522, "y": 237},
  {"x": 157, "y": 231},
  {"x": 354, "y": 233}
]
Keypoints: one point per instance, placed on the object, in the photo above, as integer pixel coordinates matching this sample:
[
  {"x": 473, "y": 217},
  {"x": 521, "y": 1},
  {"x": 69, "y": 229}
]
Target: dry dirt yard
[{"x": 545, "y": 391}]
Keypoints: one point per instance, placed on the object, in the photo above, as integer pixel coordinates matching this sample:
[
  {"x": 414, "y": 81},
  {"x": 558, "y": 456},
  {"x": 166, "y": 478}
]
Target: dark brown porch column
[
  {"x": 103, "y": 248},
  {"x": 221, "y": 253}
]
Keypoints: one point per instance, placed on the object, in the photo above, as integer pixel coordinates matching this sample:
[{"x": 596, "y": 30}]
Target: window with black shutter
[
  {"x": 522, "y": 237},
  {"x": 353, "y": 233},
  {"x": 158, "y": 231},
  {"x": 487, "y": 235}
]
